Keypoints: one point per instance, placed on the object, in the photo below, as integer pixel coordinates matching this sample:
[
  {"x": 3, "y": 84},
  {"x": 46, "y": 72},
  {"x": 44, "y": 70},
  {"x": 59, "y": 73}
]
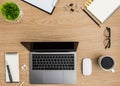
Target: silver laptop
[{"x": 52, "y": 62}]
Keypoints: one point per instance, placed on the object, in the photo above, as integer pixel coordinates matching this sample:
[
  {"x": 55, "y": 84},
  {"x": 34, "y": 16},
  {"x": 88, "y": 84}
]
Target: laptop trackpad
[{"x": 52, "y": 77}]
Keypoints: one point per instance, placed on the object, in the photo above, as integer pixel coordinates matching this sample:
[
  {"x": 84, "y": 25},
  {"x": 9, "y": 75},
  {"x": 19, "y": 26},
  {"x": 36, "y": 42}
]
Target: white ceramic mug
[{"x": 107, "y": 63}]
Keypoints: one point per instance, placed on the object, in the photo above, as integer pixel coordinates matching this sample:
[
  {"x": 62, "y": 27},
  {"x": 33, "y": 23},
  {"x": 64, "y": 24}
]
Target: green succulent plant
[{"x": 10, "y": 10}]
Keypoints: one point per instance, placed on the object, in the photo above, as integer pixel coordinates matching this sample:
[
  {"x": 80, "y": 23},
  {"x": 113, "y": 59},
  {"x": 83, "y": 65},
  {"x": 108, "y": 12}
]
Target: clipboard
[{"x": 47, "y": 6}]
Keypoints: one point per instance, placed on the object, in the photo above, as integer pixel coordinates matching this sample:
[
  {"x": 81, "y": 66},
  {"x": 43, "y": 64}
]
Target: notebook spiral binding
[{"x": 87, "y": 3}]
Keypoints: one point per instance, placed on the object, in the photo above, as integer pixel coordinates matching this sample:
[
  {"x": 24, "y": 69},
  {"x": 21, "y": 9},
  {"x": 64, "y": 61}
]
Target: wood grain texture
[{"x": 62, "y": 25}]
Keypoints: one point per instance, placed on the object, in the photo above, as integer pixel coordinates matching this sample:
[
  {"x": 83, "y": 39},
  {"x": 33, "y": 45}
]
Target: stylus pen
[
  {"x": 9, "y": 73},
  {"x": 90, "y": 17}
]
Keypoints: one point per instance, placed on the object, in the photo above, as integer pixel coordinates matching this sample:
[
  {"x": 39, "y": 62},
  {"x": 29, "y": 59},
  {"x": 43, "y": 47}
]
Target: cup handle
[{"x": 113, "y": 70}]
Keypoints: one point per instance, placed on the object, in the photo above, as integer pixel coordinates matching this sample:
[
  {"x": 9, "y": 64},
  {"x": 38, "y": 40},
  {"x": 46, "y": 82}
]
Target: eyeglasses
[{"x": 107, "y": 34}]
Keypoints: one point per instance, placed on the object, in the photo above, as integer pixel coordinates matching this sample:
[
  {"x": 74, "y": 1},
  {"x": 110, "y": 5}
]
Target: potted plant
[{"x": 11, "y": 11}]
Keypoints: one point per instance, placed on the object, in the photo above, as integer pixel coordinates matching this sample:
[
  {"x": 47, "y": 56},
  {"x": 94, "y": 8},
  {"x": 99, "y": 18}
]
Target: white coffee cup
[{"x": 107, "y": 63}]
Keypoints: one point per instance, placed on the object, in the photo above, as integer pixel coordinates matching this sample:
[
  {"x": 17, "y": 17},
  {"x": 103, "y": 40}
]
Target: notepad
[
  {"x": 102, "y": 9},
  {"x": 12, "y": 59},
  {"x": 45, "y": 5}
]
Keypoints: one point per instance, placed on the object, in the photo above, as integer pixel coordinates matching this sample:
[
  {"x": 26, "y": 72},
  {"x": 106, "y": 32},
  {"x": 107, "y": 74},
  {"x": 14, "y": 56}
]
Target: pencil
[
  {"x": 9, "y": 72},
  {"x": 90, "y": 16}
]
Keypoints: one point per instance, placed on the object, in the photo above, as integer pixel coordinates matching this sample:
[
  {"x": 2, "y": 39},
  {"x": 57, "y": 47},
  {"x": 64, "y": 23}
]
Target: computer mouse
[{"x": 87, "y": 66}]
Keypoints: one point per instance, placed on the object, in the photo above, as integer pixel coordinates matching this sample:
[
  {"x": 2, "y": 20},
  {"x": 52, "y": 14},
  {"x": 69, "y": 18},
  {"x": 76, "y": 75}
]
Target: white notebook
[
  {"x": 102, "y": 9},
  {"x": 45, "y": 5},
  {"x": 12, "y": 59}
]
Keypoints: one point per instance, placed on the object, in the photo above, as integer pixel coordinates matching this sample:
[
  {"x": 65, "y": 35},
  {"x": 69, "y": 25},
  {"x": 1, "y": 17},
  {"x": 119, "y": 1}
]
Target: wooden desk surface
[{"x": 62, "y": 26}]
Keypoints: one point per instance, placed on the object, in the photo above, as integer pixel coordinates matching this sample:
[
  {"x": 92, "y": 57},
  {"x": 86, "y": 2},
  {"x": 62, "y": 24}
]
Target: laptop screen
[
  {"x": 54, "y": 46},
  {"x": 50, "y": 46}
]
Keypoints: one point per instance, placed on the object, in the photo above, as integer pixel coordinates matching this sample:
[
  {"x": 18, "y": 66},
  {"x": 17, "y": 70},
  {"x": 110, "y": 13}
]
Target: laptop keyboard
[{"x": 53, "y": 61}]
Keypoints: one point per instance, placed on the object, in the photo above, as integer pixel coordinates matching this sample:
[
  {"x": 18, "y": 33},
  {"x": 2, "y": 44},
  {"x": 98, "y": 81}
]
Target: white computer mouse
[{"x": 87, "y": 66}]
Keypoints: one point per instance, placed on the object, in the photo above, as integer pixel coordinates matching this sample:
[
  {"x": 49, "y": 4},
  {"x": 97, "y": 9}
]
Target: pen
[
  {"x": 9, "y": 73},
  {"x": 90, "y": 16}
]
